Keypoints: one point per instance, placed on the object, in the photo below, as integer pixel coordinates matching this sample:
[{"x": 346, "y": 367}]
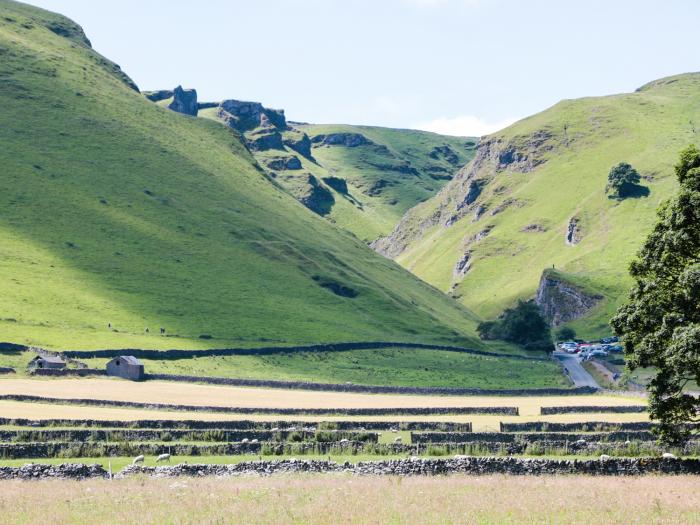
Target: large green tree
[
  {"x": 623, "y": 180},
  {"x": 660, "y": 323}
]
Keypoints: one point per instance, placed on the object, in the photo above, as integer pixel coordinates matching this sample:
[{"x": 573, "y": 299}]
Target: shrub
[{"x": 622, "y": 180}]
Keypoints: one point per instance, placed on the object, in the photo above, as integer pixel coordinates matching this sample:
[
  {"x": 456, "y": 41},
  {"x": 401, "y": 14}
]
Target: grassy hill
[
  {"x": 118, "y": 215},
  {"x": 362, "y": 178},
  {"x": 489, "y": 234}
]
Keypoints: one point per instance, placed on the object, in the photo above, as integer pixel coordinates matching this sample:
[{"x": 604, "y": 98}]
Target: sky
[{"x": 460, "y": 67}]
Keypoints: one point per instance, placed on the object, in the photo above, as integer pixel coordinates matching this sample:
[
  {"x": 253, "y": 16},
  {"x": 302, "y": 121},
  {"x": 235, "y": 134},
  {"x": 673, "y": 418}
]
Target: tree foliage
[
  {"x": 522, "y": 325},
  {"x": 660, "y": 322},
  {"x": 565, "y": 333},
  {"x": 622, "y": 180}
]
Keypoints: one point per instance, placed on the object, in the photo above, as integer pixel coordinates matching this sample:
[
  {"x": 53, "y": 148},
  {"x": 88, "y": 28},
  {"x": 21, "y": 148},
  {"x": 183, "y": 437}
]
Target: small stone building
[
  {"x": 126, "y": 366},
  {"x": 46, "y": 361}
]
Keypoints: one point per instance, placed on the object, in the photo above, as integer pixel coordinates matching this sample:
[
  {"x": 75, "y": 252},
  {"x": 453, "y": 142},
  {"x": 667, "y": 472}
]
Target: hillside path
[{"x": 577, "y": 373}]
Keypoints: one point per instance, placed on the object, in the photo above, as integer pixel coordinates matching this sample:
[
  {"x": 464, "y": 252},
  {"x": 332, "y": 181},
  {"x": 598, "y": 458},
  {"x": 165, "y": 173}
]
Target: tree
[
  {"x": 522, "y": 325},
  {"x": 622, "y": 180},
  {"x": 660, "y": 323},
  {"x": 565, "y": 333}
]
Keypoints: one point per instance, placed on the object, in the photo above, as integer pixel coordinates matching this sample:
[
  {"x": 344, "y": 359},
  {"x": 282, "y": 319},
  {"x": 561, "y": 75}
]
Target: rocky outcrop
[
  {"x": 573, "y": 231},
  {"x": 464, "y": 194},
  {"x": 184, "y": 101},
  {"x": 299, "y": 142},
  {"x": 157, "y": 96},
  {"x": 317, "y": 197},
  {"x": 445, "y": 153},
  {"x": 338, "y": 184},
  {"x": 264, "y": 139},
  {"x": 349, "y": 140},
  {"x": 245, "y": 116},
  {"x": 561, "y": 301},
  {"x": 463, "y": 265},
  {"x": 283, "y": 163}
]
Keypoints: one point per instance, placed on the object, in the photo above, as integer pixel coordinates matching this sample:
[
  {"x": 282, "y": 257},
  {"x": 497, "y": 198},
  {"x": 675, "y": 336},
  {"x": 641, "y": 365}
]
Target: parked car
[{"x": 615, "y": 348}]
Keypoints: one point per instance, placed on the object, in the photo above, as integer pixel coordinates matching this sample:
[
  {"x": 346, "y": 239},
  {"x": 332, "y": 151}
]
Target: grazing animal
[
  {"x": 245, "y": 440},
  {"x": 398, "y": 440},
  {"x": 668, "y": 455},
  {"x": 253, "y": 441},
  {"x": 604, "y": 457},
  {"x": 344, "y": 441},
  {"x": 163, "y": 457},
  {"x": 138, "y": 459},
  {"x": 581, "y": 442},
  {"x": 628, "y": 443}
]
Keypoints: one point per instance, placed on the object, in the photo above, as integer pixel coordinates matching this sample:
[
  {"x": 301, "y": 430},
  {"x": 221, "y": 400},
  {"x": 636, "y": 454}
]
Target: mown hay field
[
  {"x": 225, "y": 396},
  {"x": 331, "y": 499}
]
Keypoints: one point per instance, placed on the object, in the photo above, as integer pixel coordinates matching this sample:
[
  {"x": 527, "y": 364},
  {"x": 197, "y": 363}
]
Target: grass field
[
  {"x": 390, "y": 366},
  {"x": 579, "y": 141},
  {"x": 119, "y": 212},
  {"x": 330, "y": 499}
]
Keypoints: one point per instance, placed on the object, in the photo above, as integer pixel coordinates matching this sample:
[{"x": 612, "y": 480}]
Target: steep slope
[
  {"x": 117, "y": 216},
  {"x": 361, "y": 178},
  {"x": 534, "y": 198}
]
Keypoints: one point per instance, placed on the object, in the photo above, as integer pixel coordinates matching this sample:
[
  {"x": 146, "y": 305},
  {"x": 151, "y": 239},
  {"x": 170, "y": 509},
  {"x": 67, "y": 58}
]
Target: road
[{"x": 577, "y": 373}]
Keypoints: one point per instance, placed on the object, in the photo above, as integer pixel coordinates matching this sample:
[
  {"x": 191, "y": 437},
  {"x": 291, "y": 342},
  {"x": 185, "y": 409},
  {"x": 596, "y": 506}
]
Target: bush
[{"x": 522, "y": 325}]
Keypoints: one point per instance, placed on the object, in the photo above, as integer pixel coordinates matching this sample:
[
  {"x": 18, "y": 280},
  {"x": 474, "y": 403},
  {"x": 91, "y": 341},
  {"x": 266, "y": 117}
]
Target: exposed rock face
[
  {"x": 284, "y": 163},
  {"x": 317, "y": 198},
  {"x": 464, "y": 195},
  {"x": 446, "y": 153},
  {"x": 157, "y": 96},
  {"x": 561, "y": 301},
  {"x": 350, "y": 140},
  {"x": 299, "y": 142},
  {"x": 184, "y": 101},
  {"x": 245, "y": 116},
  {"x": 338, "y": 184},
  {"x": 573, "y": 231},
  {"x": 533, "y": 228},
  {"x": 463, "y": 265}
]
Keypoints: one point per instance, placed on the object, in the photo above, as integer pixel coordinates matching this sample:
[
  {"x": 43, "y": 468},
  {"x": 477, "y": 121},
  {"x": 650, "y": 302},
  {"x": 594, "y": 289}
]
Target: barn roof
[
  {"x": 49, "y": 358},
  {"x": 129, "y": 359}
]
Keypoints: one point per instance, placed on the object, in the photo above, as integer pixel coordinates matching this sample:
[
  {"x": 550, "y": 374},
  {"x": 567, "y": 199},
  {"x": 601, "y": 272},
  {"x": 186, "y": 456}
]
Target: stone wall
[
  {"x": 405, "y": 467},
  {"x": 250, "y": 410},
  {"x": 429, "y": 467},
  {"x": 628, "y": 409},
  {"x": 587, "y": 426},
  {"x": 283, "y": 425},
  {"x": 68, "y": 372},
  {"x": 525, "y": 437}
]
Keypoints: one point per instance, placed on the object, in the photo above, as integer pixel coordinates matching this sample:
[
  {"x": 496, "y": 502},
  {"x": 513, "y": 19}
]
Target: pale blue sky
[{"x": 459, "y": 66}]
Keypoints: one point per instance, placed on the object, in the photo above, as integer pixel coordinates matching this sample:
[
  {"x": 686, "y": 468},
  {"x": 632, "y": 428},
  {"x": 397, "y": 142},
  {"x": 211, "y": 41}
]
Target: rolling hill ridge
[
  {"x": 534, "y": 198},
  {"x": 119, "y": 218}
]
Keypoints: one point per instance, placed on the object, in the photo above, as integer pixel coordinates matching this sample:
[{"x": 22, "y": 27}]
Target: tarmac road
[{"x": 577, "y": 373}]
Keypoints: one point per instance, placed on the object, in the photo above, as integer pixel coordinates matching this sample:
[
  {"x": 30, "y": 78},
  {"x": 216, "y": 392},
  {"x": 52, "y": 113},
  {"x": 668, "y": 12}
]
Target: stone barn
[
  {"x": 126, "y": 366},
  {"x": 46, "y": 361}
]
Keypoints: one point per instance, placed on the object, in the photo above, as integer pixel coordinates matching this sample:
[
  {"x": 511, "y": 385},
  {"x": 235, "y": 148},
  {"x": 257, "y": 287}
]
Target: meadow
[{"x": 331, "y": 499}]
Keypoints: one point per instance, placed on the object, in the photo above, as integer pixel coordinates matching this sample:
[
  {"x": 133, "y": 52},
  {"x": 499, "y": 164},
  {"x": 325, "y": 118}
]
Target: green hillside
[
  {"x": 489, "y": 234},
  {"x": 118, "y": 215},
  {"x": 361, "y": 178}
]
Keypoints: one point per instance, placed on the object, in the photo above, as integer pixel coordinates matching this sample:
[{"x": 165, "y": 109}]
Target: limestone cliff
[{"x": 561, "y": 301}]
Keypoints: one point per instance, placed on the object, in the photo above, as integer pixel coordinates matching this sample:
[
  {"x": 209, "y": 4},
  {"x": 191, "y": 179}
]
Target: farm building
[
  {"x": 126, "y": 366},
  {"x": 46, "y": 361}
]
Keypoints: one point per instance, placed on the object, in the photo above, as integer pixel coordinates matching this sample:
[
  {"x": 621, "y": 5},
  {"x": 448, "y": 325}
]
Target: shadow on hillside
[{"x": 637, "y": 191}]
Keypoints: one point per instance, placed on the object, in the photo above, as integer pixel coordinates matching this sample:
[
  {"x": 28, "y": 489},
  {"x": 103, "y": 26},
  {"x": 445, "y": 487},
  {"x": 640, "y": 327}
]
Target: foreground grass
[
  {"x": 389, "y": 366},
  {"x": 326, "y": 499}
]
